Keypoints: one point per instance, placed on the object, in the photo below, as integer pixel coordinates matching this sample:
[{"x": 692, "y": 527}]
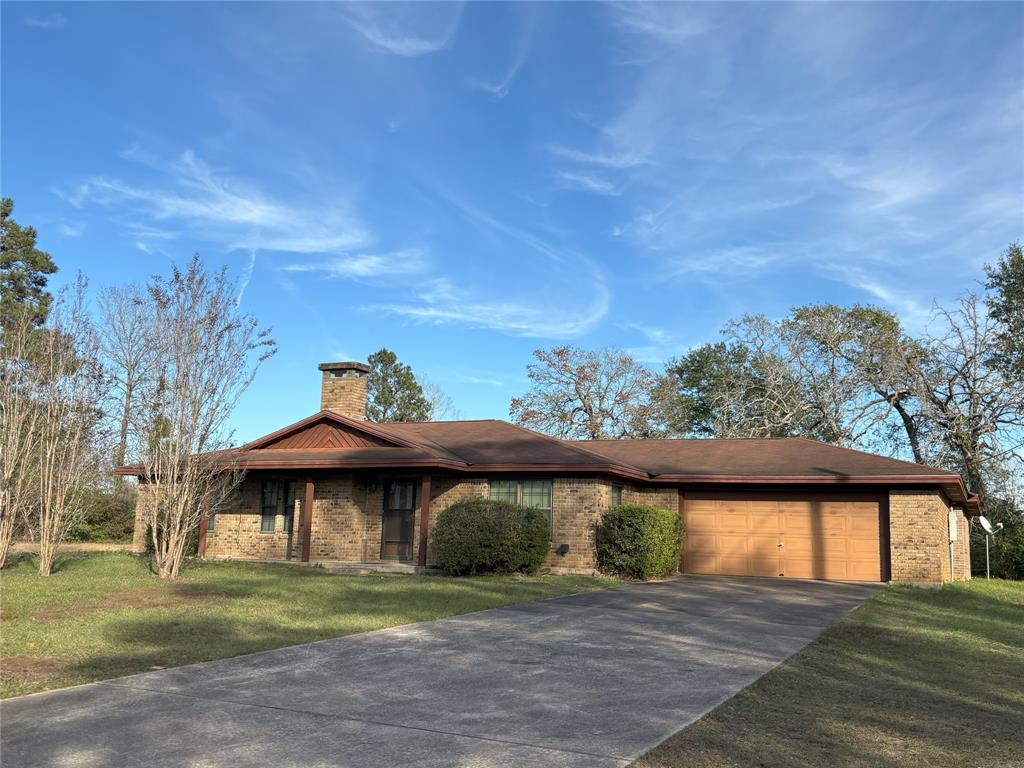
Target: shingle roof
[{"x": 493, "y": 445}]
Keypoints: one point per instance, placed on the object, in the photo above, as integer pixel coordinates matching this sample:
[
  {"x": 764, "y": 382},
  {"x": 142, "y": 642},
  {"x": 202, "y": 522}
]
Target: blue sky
[{"x": 466, "y": 183}]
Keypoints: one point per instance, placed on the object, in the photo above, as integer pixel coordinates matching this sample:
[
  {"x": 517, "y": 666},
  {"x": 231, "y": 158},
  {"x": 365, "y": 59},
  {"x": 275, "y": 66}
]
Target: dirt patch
[
  {"x": 147, "y": 598},
  {"x": 28, "y": 670}
]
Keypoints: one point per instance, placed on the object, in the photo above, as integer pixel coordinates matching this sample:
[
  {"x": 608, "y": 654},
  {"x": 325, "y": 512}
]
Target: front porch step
[{"x": 363, "y": 569}]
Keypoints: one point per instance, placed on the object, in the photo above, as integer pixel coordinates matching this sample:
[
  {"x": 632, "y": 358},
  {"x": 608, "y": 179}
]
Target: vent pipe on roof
[{"x": 343, "y": 388}]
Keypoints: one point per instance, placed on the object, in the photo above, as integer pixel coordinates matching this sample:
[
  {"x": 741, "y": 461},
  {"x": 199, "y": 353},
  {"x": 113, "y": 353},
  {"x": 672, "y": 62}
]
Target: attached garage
[{"x": 804, "y": 536}]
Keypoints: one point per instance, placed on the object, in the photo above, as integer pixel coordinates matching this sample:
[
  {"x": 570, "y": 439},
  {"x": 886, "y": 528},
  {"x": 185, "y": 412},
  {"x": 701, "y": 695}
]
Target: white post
[{"x": 987, "y": 574}]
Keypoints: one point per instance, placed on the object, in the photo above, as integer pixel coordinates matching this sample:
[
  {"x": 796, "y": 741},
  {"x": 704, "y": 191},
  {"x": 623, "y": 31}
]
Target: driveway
[{"x": 591, "y": 680}]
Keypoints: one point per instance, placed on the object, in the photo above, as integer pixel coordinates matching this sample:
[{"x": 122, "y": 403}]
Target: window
[
  {"x": 290, "y": 489},
  {"x": 616, "y": 495},
  {"x": 211, "y": 522},
  {"x": 535, "y": 494},
  {"x": 268, "y": 508}
]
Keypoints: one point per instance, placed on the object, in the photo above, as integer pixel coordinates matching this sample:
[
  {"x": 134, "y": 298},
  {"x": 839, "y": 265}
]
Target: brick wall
[
  {"x": 143, "y": 511},
  {"x": 919, "y": 539},
  {"x": 344, "y": 394}
]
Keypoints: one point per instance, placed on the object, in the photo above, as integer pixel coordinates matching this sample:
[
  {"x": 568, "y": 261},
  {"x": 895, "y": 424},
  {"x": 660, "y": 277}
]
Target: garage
[{"x": 795, "y": 536}]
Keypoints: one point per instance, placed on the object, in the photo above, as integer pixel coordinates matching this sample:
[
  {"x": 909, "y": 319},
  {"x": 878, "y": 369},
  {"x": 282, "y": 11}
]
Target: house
[{"x": 336, "y": 488}]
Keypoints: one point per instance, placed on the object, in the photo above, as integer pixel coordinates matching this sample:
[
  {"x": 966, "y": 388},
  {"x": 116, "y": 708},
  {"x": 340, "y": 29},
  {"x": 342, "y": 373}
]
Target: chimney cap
[{"x": 348, "y": 366}]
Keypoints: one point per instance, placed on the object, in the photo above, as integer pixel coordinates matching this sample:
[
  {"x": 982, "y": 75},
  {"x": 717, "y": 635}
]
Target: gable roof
[{"x": 327, "y": 440}]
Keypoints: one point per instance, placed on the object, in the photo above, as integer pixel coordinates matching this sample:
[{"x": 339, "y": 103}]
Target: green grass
[
  {"x": 914, "y": 677},
  {"x": 100, "y": 616}
]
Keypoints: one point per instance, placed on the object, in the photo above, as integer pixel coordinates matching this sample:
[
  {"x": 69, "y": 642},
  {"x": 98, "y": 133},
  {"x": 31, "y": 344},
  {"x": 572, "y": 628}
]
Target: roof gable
[{"x": 327, "y": 431}]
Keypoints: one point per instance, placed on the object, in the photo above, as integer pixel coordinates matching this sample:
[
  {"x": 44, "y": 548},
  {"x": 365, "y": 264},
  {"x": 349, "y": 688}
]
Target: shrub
[
  {"x": 110, "y": 516},
  {"x": 639, "y": 542},
  {"x": 483, "y": 536}
]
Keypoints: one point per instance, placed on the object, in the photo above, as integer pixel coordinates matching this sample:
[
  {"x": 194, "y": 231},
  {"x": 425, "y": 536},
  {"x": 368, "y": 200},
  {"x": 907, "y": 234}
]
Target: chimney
[{"x": 343, "y": 389}]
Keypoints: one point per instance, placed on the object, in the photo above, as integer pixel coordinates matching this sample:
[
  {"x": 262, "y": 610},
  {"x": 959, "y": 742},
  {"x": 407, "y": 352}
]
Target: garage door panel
[{"x": 823, "y": 539}]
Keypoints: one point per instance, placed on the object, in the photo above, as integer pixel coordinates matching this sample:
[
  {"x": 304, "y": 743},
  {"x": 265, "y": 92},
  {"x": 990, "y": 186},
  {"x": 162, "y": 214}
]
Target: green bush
[
  {"x": 484, "y": 536},
  {"x": 110, "y": 515},
  {"x": 639, "y": 542},
  {"x": 1007, "y": 546}
]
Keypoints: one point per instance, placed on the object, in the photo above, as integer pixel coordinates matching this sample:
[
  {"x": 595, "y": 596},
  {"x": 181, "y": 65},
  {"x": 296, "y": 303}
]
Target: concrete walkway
[{"x": 592, "y": 680}]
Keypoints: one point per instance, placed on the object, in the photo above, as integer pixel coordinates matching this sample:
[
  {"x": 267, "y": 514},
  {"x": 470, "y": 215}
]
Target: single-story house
[{"x": 337, "y": 489}]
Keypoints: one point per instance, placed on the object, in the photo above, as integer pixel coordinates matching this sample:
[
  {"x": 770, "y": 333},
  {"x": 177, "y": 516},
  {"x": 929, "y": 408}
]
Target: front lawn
[
  {"x": 100, "y": 616},
  {"x": 914, "y": 677}
]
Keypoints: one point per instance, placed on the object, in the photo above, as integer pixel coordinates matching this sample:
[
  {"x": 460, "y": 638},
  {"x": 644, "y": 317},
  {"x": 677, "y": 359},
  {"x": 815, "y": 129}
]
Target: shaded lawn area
[
  {"x": 914, "y": 677},
  {"x": 101, "y": 616}
]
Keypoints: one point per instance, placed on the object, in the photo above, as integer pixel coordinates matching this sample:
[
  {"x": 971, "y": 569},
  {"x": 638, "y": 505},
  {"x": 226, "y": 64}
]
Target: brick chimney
[{"x": 343, "y": 389}]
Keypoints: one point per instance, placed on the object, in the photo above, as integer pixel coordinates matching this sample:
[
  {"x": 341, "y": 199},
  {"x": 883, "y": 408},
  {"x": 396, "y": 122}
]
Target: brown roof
[{"x": 328, "y": 440}]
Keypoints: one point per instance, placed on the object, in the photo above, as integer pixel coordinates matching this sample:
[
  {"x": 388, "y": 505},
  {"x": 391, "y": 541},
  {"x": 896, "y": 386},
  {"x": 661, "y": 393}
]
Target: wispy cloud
[
  {"x": 246, "y": 277},
  {"x": 366, "y": 265},
  {"x": 223, "y": 208},
  {"x": 467, "y": 378},
  {"x": 588, "y": 183},
  {"x": 443, "y": 302},
  {"x": 404, "y": 29},
  {"x": 596, "y": 158},
  {"x": 501, "y": 88},
  {"x": 69, "y": 229},
  {"x": 661, "y": 345},
  {"x": 672, "y": 23},
  {"x": 50, "y": 21}
]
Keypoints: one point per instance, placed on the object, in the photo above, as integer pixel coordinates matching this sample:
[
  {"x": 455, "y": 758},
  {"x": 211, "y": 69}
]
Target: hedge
[
  {"x": 484, "y": 536},
  {"x": 639, "y": 542}
]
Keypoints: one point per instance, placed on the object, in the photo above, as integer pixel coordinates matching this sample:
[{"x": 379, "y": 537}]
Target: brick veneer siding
[
  {"x": 344, "y": 394},
  {"x": 919, "y": 539},
  {"x": 143, "y": 509}
]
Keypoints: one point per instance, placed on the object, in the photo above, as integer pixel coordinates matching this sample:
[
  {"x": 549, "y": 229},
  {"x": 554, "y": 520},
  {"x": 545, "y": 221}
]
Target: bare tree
[
  {"x": 69, "y": 387},
  {"x": 975, "y": 405},
  {"x": 442, "y": 407},
  {"x": 18, "y": 416},
  {"x": 128, "y": 353},
  {"x": 587, "y": 394},
  {"x": 206, "y": 355}
]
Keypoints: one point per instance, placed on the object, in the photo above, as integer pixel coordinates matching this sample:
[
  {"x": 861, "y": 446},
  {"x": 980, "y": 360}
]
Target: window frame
[
  {"x": 289, "y": 509},
  {"x": 211, "y": 522},
  {"x": 617, "y": 491},
  {"x": 264, "y": 506},
  {"x": 520, "y": 494}
]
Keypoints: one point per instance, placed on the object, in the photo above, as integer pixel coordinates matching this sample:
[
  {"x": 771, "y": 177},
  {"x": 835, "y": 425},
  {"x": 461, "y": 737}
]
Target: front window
[
  {"x": 290, "y": 489},
  {"x": 535, "y": 494},
  {"x": 616, "y": 495},
  {"x": 211, "y": 522},
  {"x": 268, "y": 510}
]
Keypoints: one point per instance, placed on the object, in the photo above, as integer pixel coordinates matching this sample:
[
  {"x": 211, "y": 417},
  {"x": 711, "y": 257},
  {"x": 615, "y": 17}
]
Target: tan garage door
[{"x": 803, "y": 537}]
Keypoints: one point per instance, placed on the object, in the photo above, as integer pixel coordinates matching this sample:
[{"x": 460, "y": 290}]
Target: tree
[
  {"x": 584, "y": 394},
  {"x": 393, "y": 393},
  {"x": 205, "y": 355},
  {"x": 128, "y": 353},
  {"x": 68, "y": 387},
  {"x": 442, "y": 407},
  {"x": 18, "y": 416},
  {"x": 1005, "y": 303},
  {"x": 23, "y": 270},
  {"x": 973, "y": 404}
]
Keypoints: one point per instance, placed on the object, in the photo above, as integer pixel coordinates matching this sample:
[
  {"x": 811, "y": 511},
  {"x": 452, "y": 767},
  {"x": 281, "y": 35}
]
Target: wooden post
[
  {"x": 204, "y": 522},
  {"x": 682, "y": 510},
  {"x": 424, "y": 518},
  {"x": 307, "y": 520}
]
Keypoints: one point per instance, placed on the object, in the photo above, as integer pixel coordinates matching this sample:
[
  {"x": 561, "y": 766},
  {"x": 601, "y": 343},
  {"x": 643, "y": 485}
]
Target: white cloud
[
  {"x": 605, "y": 160},
  {"x": 50, "y": 21},
  {"x": 366, "y": 265},
  {"x": 229, "y": 210},
  {"x": 442, "y": 302},
  {"x": 501, "y": 88},
  {"x": 71, "y": 230},
  {"x": 404, "y": 29},
  {"x": 671, "y": 23},
  {"x": 246, "y": 277},
  {"x": 588, "y": 183}
]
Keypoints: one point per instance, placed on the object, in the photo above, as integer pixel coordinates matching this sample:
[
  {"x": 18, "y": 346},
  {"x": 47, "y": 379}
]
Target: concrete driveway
[{"x": 592, "y": 680}]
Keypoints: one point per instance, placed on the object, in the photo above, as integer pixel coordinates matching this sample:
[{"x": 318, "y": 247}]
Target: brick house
[{"x": 337, "y": 489}]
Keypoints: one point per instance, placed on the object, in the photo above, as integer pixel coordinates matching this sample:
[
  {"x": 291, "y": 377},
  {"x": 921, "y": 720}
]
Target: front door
[{"x": 399, "y": 517}]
